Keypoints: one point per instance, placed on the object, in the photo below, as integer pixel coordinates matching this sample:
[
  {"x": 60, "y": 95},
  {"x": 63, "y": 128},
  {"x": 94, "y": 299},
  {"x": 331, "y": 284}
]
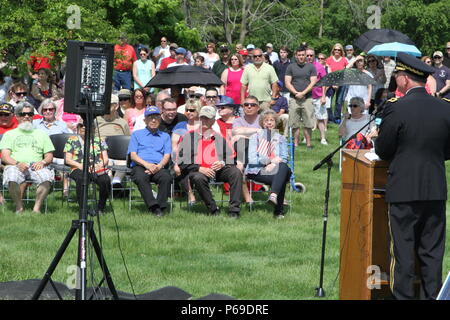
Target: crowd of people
[{"x": 235, "y": 133}]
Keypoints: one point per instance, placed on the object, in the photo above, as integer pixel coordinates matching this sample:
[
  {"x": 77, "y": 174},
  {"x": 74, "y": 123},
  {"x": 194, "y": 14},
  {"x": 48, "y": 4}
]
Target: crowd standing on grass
[{"x": 196, "y": 136}]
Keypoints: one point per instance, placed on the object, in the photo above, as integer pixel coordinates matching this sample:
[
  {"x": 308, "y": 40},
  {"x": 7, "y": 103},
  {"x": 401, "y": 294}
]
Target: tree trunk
[
  {"x": 226, "y": 26},
  {"x": 246, "y": 5},
  {"x": 321, "y": 19}
]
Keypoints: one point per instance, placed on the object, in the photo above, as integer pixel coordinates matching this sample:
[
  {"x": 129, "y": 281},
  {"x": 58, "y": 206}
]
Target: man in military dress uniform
[{"x": 414, "y": 136}]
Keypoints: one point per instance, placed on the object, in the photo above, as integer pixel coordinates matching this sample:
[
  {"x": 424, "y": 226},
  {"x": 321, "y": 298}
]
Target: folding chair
[
  {"x": 59, "y": 141},
  {"x": 118, "y": 150}
]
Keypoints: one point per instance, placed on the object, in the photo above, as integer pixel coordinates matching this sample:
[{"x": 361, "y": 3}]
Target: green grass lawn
[{"x": 255, "y": 257}]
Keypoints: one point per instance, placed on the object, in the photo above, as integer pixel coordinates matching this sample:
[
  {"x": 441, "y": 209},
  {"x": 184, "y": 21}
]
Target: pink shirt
[
  {"x": 317, "y": 91},
  {"x": 336, "y": 65}
]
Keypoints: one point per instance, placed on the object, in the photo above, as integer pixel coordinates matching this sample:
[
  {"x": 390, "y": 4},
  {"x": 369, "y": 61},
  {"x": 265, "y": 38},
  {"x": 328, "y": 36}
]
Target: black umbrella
[
  {"x": 346, "y": 77},
  {"x": 184, "y": 76},
  {"x": 373, "y": 37}
]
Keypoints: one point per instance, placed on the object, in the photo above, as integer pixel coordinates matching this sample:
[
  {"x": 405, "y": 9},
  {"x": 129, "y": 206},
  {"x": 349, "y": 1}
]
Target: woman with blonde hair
[
  {"x": 267, "y": 162},
  {"x": 337, "y": 61}
]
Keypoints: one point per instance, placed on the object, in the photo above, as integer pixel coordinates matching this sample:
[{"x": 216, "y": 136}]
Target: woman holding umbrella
[{"x": 363, "y": 91}]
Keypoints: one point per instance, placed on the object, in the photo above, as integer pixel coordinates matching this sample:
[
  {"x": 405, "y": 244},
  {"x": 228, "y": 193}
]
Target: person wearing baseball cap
[
  {"x": 414, "y": 136},
  {"x": 442, "y": 76},
  {"x": 205, "y": 156},
  {"x": 272, "y": 54},
  {"x": 150, "y": 151},
  {"x": 180, "y": 56},
  {"x": 7, "y": 119}
]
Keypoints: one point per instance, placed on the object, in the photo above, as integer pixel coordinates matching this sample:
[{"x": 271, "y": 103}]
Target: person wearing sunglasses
[
  {"x": 143, "y": 70},
  {"x": 354, "y": 121},
  {"x": 8, "y": 120},
  {"x": 27, "y": 152},
  {"x": 48, "y": 122},
  {"x": 260, "y": 80},
  {"x": 441, "y": 75},
  {"x": 162, "y": 51},
  {"x": 336, "y": 61}
]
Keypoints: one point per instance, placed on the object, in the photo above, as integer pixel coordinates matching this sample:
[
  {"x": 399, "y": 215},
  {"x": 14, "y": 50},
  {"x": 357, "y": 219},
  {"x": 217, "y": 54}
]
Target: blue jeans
[
  {"x": 340, "y": 96},
  {"x": 122, "y": 80}
]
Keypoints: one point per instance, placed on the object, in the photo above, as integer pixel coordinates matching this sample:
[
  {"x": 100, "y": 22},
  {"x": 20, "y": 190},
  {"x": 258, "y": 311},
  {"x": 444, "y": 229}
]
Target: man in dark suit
[{"x": 415, "y": 137}]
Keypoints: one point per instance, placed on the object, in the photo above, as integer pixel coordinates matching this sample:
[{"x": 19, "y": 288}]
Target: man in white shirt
[
  {"x": 161, "y": 52},
  {"x": 272, "y": 54}
]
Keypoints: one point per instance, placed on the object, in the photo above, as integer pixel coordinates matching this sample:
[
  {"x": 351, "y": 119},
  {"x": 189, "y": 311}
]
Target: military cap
[{"x": 410, "y": 64}]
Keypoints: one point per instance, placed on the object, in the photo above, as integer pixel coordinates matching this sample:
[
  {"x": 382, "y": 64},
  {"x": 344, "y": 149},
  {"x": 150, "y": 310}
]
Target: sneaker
[
  {"x": 272, "y": 199},
  {"x": 324, "y": 142}
]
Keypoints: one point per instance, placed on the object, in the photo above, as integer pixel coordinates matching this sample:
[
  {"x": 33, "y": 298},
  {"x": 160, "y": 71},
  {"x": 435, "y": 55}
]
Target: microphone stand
[{"x": 329, "y": 161}]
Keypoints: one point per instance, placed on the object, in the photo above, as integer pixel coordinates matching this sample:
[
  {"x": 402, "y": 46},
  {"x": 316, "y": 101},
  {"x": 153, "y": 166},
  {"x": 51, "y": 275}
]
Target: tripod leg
[
  {"x": 56, "y": 260},
  {"x": 101, "y": 259}
]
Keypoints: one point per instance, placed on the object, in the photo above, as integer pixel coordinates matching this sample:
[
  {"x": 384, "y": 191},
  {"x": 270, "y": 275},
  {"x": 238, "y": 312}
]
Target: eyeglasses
[
  {"x": 191, "y": 110},
  {"x": 257, "y": 55},
  {"x": 24, "y": 114},
  {"x": 20, "y": 93},
  {"x": 47, "y": 109},
  {"x": 437, "y": 57},
  {"x": 211, "y": 97},
  {"x": 248, "y": 104}
]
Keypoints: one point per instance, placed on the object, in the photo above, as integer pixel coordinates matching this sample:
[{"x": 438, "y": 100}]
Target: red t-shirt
[
  {"x": 165, "y": 62},
  {"x": 38, "y": 62},
  {"x": 337, "y": 65},
  {"x": 14, "y": 124},
  {"x": 125, "y": 56},
  {"x": 225, "y": 128}
]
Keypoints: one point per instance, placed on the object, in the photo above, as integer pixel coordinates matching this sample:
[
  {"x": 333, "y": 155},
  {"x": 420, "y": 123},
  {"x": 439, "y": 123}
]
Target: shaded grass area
[{"x": 255, "y": 257}]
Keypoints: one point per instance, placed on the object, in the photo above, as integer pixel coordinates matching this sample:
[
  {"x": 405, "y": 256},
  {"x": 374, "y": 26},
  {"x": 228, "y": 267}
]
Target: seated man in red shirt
[{"x": 205, "y": 156}]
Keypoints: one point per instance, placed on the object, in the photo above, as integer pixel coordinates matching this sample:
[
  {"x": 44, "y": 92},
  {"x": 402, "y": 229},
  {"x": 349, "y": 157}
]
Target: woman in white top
[
  {"x": 211, "y": 56},
  {"x": 356, "y": 120},
  {"x": 143, "y": 70},
  {"x": 376, "y": 68},
  {"x": 364, "y": 92}
]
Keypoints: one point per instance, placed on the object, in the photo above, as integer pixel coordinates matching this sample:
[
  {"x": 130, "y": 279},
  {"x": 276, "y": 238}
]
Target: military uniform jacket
[{"x": 415, "y": 137}]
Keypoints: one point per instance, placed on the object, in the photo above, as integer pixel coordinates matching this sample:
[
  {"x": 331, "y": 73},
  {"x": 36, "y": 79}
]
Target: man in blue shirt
[{"x": 149, "y": 151}]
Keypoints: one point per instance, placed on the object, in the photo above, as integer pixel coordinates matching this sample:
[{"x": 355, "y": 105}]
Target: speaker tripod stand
[{"x": 86, "y": 229}]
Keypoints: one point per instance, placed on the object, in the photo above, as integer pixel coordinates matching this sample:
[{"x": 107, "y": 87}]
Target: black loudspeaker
[{"x": 88, "y": 82}]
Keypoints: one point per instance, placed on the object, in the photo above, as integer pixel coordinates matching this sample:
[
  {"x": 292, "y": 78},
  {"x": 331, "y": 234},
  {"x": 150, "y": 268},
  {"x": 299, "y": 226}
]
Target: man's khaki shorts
[{"x": 301, "y": 113}]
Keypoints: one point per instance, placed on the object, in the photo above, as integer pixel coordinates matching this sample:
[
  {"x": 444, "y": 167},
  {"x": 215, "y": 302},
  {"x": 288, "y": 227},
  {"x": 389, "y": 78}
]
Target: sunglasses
[
  {"x": 354, "y": 106},
  {"x": 194, "y": 95},
  {"x": 248, "y": 104},
  {"x": 371, "y": 61},
  {"x": 2, "y": 114},
  {"x": 143, "y": 54},
  {"x": 310, "y": 55},
  {"x": 257, "y": 55},
  {"x": 124, "y": 99},
  {"x": 191, "y": 110},
  {"x": 321, "y": 58},
  {"x": 24, "y": 114},
  {"x": 437, "y": 57},
  {"x": 337, "y": 49},
  {"x": 20, "y": 93}
]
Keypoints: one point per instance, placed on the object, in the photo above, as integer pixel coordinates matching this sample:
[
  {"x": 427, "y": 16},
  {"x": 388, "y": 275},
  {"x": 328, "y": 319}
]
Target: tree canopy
[{"x": 43, "y": 26}]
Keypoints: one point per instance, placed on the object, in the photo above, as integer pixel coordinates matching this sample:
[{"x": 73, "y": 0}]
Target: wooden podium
[{"x": 364, "y": 231}]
